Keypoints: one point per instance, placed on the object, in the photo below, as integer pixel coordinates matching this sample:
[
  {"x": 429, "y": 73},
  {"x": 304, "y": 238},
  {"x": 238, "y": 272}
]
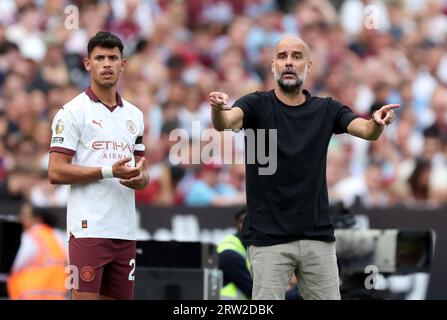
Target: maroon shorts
[{"x": 105, "y": 266}]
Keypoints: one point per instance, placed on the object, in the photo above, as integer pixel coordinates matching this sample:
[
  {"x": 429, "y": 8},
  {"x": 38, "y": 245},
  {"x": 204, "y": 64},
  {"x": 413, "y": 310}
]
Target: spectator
[
  {"x": 419, "y": 182},
  {"x": 38, "y": 272},
  {"x": 207, "y": 190},
  {"x": 368, "y": 189}
]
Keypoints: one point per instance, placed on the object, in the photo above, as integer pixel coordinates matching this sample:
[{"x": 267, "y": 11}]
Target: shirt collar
[{"x": 89, "y": 92}]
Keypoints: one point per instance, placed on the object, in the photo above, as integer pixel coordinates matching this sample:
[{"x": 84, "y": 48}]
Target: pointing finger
[{"x": 390, "y": 107}]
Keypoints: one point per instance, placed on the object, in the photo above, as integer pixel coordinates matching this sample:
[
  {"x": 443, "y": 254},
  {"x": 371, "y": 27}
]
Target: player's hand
[
  {"x": 123, "y": 171},
  {"x": 138, "y": 182},
  {"x": 219, "y": 101},
  {"x": 385, "y": 115}
]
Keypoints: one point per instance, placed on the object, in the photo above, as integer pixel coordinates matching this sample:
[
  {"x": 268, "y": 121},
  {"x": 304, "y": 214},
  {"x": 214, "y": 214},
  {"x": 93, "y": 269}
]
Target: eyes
[
  {"x": 294, "y": 56},
  {"x": 101, "y": 58}
]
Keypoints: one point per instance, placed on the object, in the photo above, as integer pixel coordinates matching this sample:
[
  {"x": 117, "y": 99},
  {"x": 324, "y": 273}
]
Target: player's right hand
[
  {"x": 219, "y": 101},
  {"x": 122, "y": 171}
]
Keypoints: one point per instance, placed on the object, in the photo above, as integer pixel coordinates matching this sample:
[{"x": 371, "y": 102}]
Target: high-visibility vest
[
  {"x": 42, "y": 278},
  {"x": 231, "y": 291}
]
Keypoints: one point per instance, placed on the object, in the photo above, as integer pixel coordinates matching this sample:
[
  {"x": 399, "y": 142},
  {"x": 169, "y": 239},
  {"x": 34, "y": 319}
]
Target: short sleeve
[
  {"x": 343, "y": 116},
  {"x": 246, "y": 104},
  {"x": 139, "y": 145},
  {"x": 65, "y": 133}
]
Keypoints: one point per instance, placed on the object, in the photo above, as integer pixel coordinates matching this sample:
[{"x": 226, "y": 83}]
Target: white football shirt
[{"x": 97, "y": 135}]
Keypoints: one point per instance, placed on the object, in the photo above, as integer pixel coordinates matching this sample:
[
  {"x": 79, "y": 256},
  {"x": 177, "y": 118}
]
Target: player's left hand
[
  {"x": 385, "y": 115},
  {"x": 140, "y": 181}
]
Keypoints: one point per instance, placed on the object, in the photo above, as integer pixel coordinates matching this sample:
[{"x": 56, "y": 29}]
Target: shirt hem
[
  {"x": 101, "y": 236},
  {"x": 324, "y": 238}
]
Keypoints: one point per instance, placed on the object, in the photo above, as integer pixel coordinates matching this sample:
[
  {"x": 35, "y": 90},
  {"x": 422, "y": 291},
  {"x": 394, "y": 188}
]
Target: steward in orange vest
[{"x": 38, "y": 272}]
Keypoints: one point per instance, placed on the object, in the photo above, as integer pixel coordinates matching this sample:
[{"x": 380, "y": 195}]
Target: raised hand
[
  {"x": 218, "y": 101},
  {"x": 385, "y": 115}
]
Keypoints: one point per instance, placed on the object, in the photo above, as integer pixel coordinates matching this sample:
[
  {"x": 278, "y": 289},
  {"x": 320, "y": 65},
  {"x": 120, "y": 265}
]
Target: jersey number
[{"x": 132, "y": 264}]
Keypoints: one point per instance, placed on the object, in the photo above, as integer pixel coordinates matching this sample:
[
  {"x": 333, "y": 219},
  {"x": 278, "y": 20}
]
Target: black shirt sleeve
[
  {"x": 247, "y": 104},
  {"x": 235, "y": 270},
  {"x": 343, "y": 117}
]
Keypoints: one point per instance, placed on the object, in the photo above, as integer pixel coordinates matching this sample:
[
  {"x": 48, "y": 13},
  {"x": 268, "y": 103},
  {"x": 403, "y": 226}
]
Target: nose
[{"x": 107, "y": 63}]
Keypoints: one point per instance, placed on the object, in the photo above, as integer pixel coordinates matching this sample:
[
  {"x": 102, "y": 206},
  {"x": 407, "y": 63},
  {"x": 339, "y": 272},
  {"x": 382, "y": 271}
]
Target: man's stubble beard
[
  {"x": 106, "y": 85},
  {"x": 293, "y": 87}
]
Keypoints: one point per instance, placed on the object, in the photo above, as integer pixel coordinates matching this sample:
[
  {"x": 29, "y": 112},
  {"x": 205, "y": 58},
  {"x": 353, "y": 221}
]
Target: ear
[
  {"x": 87, "y": 63},
  {"x": 273, "y": 66},
  {"x": 309, "y": 65},
  {"x": 123, "y": 64}
]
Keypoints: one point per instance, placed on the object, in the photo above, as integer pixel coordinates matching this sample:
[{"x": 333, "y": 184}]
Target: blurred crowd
[{"x": 365, "y": 54}]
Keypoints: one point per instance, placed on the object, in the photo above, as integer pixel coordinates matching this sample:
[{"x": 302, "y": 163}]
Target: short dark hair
[
  {"x": 105, "y": 39},
  {"x": 45, "y": 215}
]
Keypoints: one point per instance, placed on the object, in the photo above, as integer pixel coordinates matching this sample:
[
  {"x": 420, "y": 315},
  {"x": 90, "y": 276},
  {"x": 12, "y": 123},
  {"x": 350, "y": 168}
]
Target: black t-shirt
[{"x": 292, "y": 203}]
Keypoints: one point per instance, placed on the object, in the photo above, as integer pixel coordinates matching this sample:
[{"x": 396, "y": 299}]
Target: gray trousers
[{"x": 313, "y": 262}]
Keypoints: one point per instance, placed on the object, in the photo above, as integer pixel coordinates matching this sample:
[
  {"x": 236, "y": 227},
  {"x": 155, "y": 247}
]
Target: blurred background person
[
  {"x": 234, "y": 263},
  {"x": 38, "y": 272},
  {"x": 209, "y": 190}
]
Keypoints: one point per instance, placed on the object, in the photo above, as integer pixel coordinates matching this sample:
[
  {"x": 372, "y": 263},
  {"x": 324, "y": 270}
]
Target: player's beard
[
  {"x": 107, "y": 84},
  {"x": 291, "y": 86}
]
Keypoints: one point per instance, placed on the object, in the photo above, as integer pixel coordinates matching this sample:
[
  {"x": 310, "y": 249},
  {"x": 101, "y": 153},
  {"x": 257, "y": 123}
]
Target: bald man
[{"x": 287, "y": 227}]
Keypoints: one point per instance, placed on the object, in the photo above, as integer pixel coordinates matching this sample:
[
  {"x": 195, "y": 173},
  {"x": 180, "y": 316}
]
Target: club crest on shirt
[
  {"x": 131, "y": 126},
  {"x": 87, "y": 273}
]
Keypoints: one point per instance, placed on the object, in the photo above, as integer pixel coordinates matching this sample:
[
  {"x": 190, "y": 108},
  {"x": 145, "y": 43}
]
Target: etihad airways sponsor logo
[{"x": 113, "y": 146}]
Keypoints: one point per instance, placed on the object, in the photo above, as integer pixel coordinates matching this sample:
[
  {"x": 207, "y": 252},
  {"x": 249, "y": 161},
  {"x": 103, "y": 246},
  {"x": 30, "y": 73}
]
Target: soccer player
[
  {"x": 97, "y": 148},
  {"x": 287, "y": 227}
]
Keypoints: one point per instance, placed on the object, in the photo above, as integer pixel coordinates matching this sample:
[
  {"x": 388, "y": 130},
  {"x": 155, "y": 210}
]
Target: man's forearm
[
  {"x": 67, "y": 173},
  {"x": 220, "y": 120},
  {"x": 374, "y": 130},
  {"x": 365, "y": 129}
]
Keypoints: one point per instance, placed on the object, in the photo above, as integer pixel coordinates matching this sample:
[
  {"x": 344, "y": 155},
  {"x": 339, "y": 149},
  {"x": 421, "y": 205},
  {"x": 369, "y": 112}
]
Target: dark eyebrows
[
  {"x": 293, "y": 52},
  {"x": 298, "y": 52},
  {"x": 282, "y": 53},
  {"x": 111, "y": 56}
]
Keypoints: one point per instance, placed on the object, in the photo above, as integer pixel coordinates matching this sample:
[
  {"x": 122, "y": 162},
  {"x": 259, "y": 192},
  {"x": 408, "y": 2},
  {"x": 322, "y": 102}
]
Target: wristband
[{"x": 107, "y": 172}]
